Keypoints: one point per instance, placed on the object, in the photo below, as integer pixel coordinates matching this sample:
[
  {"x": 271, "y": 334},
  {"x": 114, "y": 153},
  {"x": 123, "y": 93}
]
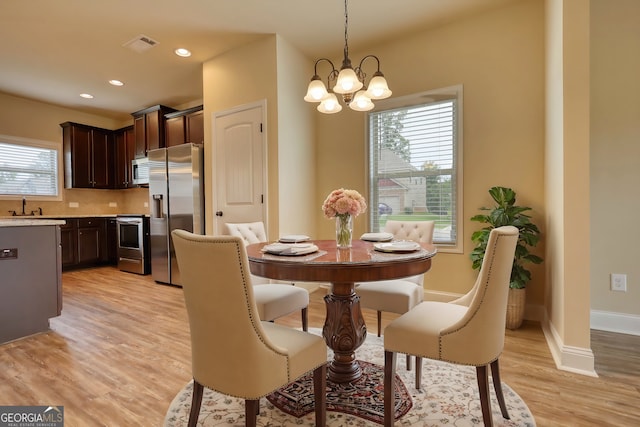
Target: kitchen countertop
[
  {"x": 14, "y": 217},
  {"x": 26, "y": 220},
  {"x": 22, "y": 222}
]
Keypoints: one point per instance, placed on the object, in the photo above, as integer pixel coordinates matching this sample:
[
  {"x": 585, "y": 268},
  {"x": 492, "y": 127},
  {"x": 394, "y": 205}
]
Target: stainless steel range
[{"x": 133, "y": 243}]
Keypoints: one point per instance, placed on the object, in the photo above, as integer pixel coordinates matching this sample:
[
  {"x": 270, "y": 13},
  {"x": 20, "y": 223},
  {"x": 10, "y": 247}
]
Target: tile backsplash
[{"x": 84, "y": 202}]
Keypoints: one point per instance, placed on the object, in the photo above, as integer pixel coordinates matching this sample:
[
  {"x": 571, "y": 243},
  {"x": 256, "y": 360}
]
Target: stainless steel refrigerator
[{"x": 176, "y": 201}]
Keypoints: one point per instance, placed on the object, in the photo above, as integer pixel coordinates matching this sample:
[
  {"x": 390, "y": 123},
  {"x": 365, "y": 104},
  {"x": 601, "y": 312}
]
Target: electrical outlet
[
  {"x": 113, "y": 205},
  {"x": 146, "y": 204},
  {"x": 74, "y": 204},
  {"x": 618, "y": 282}
]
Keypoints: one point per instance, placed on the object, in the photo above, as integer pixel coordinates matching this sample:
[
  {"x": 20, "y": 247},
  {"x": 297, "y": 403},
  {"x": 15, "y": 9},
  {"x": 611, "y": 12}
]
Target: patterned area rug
[
  {"x": 449, "y": 397},
  {"x": 363, "y": 398}
]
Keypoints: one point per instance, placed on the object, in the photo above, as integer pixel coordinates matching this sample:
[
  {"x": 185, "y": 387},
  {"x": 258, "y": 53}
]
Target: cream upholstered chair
[
  {"x": 469, "y": 331},
  {"x": 398, "y": 295},
  {"x": 274, "y": 300},
  {"x": 232, "y": 351}
]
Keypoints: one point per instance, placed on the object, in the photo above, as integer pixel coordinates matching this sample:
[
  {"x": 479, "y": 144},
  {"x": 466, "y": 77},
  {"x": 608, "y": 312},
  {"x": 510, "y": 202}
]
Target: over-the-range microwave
[{"x": 140, "y": 171}]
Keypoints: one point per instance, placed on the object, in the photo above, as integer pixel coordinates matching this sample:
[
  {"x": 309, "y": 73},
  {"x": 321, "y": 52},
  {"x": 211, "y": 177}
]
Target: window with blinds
[
  {"x": 414, "y": 162},
  {"x": 28, "y": 168}
]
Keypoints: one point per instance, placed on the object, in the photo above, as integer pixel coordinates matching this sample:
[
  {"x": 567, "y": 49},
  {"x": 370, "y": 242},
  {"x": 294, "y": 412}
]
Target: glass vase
[{"x": 344, "y": 230}]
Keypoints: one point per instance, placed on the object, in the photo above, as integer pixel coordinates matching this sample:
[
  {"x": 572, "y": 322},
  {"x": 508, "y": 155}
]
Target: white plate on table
[
  {"x": 377, "y": 237},
  {"x": 290, "y": 249},
  {"x": 293, "y": 238},
  {"x": 399, "y": 246}
]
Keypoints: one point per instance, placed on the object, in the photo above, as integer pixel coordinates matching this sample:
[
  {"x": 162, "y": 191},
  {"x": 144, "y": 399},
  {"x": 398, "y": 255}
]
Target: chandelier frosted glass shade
[
  {"x": 316, "y": 91},
  {"x": 361, "y": 102},
  {"x": 347, "y": 82},
  {"x": 378, "y": 88},
  {"x": 330, "y": 104}
]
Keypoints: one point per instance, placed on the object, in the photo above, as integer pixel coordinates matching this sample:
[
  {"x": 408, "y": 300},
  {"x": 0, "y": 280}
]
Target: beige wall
[
  {"x": 275, "y": 72},
  {"x": 25, "y": 118},
  {"x": 567, "y": 184},
  {"x": 615, "y": 148},
  {"x": 554, "y": 165},
  {"x": 296, "y": 145},
  {"x": 240, "y": 77},
  {"x": 498, "y": 57}
]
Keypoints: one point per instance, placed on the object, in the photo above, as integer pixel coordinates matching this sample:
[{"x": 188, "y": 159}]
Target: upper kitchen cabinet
[
  {"x": 184, "y": 126},
  {"x": 88, "y": 156},
  {"x": 125, "y": 151},
  {"x": 149, "y": 129}
]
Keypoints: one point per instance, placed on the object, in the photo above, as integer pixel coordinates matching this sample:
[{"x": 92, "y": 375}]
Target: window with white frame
[
  {"x": 29, "y": 168},
  {"x": 415, "y": 154}
]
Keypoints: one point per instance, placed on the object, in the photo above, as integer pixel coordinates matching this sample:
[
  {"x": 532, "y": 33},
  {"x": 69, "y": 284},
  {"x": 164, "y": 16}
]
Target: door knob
[{"x": 218, "y": 213}]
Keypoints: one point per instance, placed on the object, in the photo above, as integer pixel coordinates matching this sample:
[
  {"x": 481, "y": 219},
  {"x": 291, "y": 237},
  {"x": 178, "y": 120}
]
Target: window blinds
[
  {"x": 28, "y": 170},
  {"x": 413, "y": 164}
]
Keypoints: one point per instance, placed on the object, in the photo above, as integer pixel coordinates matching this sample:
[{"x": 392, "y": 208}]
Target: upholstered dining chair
[
  {"x": 274, "y": 300},
  {"x": 398, "y": 295},
  {"x": 232, "y": 351},
  {"x": 469, "y": 331}
]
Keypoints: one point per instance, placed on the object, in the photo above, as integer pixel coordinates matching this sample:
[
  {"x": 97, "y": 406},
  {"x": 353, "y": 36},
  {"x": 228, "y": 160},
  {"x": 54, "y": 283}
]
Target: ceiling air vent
[{"x": 140, "y": 43}]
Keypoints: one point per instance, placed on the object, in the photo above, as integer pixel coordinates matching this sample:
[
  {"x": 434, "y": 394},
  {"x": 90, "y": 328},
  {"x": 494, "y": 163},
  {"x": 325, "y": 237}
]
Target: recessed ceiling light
[
  {"x": 116, "y": 82},
  {"x": 183, "y": 52},
  {"x": 86, "y": 95}
]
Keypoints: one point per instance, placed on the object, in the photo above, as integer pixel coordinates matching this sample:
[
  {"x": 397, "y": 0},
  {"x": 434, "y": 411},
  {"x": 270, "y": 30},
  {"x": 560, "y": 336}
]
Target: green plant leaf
[
  {"x": 479, "y": 218},
  {"x": 506, "y": 212},
  {"x": 480, "y": 236}
]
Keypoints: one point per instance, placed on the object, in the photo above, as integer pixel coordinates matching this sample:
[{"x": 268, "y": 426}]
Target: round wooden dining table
[{"x": 344, "y": 329}]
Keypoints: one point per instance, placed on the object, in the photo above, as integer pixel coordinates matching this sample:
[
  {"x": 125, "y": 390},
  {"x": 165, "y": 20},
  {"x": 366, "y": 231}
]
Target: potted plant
[{"x": 505, "y": 212}]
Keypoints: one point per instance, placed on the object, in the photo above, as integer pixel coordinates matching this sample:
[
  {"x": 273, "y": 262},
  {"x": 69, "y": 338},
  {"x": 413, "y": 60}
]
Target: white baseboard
[
  {"x": 578, "y": 360},
  {"x": 615, "y": 322}
]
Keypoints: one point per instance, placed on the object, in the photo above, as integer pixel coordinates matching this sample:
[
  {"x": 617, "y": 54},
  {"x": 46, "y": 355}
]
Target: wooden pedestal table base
[{"x": 344, "y": 331}]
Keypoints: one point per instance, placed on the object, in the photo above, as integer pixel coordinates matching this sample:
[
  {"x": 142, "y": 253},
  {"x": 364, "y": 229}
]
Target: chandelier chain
[{"x": 346, "y": 26}]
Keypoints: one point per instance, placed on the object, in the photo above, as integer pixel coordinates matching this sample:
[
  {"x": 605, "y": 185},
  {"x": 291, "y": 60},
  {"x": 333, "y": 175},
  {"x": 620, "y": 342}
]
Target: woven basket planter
[{"x": 515, "y": 308}]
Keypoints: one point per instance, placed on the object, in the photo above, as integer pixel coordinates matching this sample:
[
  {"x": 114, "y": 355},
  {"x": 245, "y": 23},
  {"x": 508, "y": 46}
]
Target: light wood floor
[{"x": 120, "y": 352}]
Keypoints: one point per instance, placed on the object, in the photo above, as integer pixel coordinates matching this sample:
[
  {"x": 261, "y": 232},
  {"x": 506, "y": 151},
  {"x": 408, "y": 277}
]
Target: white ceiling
[{"x": 53, "y": 50}]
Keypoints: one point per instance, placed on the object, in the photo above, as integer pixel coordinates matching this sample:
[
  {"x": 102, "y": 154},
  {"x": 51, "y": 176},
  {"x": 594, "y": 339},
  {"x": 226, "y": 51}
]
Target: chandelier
[{"x": 348, "y": 82}]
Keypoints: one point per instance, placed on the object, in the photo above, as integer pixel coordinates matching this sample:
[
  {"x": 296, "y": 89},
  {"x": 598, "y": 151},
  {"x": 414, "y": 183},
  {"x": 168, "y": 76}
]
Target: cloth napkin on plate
[
  {"x": 377, "y": 237},
  {"x": 290, "y": 249},
  {"x": 293, "y": 238}
]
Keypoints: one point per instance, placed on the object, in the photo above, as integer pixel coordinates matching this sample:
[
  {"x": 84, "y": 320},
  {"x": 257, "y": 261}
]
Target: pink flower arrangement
[{"x": 341, "y": 202}]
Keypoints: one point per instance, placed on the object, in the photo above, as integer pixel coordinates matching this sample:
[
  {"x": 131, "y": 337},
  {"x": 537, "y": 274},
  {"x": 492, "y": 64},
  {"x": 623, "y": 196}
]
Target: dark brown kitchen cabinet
[
  {"x": 149, "y": 128},
  {"x": 125, "y": 148},
  {"x": 88, "y": 242},
  {"x": 112, "y": 241},
  {"x": 88, "y": 156},
  {"x": 68, "y": 238},
  {"x": 175, "y": 131},
  {"x": 102, "y": 160},
  {"x": 195, "y": 127},
  {"x": 90, "y": 237},
  {"x": 184, "y": 126},
  {"x": 140, "y": 137}
]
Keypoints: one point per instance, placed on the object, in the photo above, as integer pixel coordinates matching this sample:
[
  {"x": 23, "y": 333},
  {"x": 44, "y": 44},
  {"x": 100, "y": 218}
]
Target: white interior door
[{"x": 239, "y": 167}]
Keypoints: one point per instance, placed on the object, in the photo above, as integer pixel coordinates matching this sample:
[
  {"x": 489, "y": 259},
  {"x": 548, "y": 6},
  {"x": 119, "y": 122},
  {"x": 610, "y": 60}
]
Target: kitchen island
[{"x": 30, "y": 276}]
